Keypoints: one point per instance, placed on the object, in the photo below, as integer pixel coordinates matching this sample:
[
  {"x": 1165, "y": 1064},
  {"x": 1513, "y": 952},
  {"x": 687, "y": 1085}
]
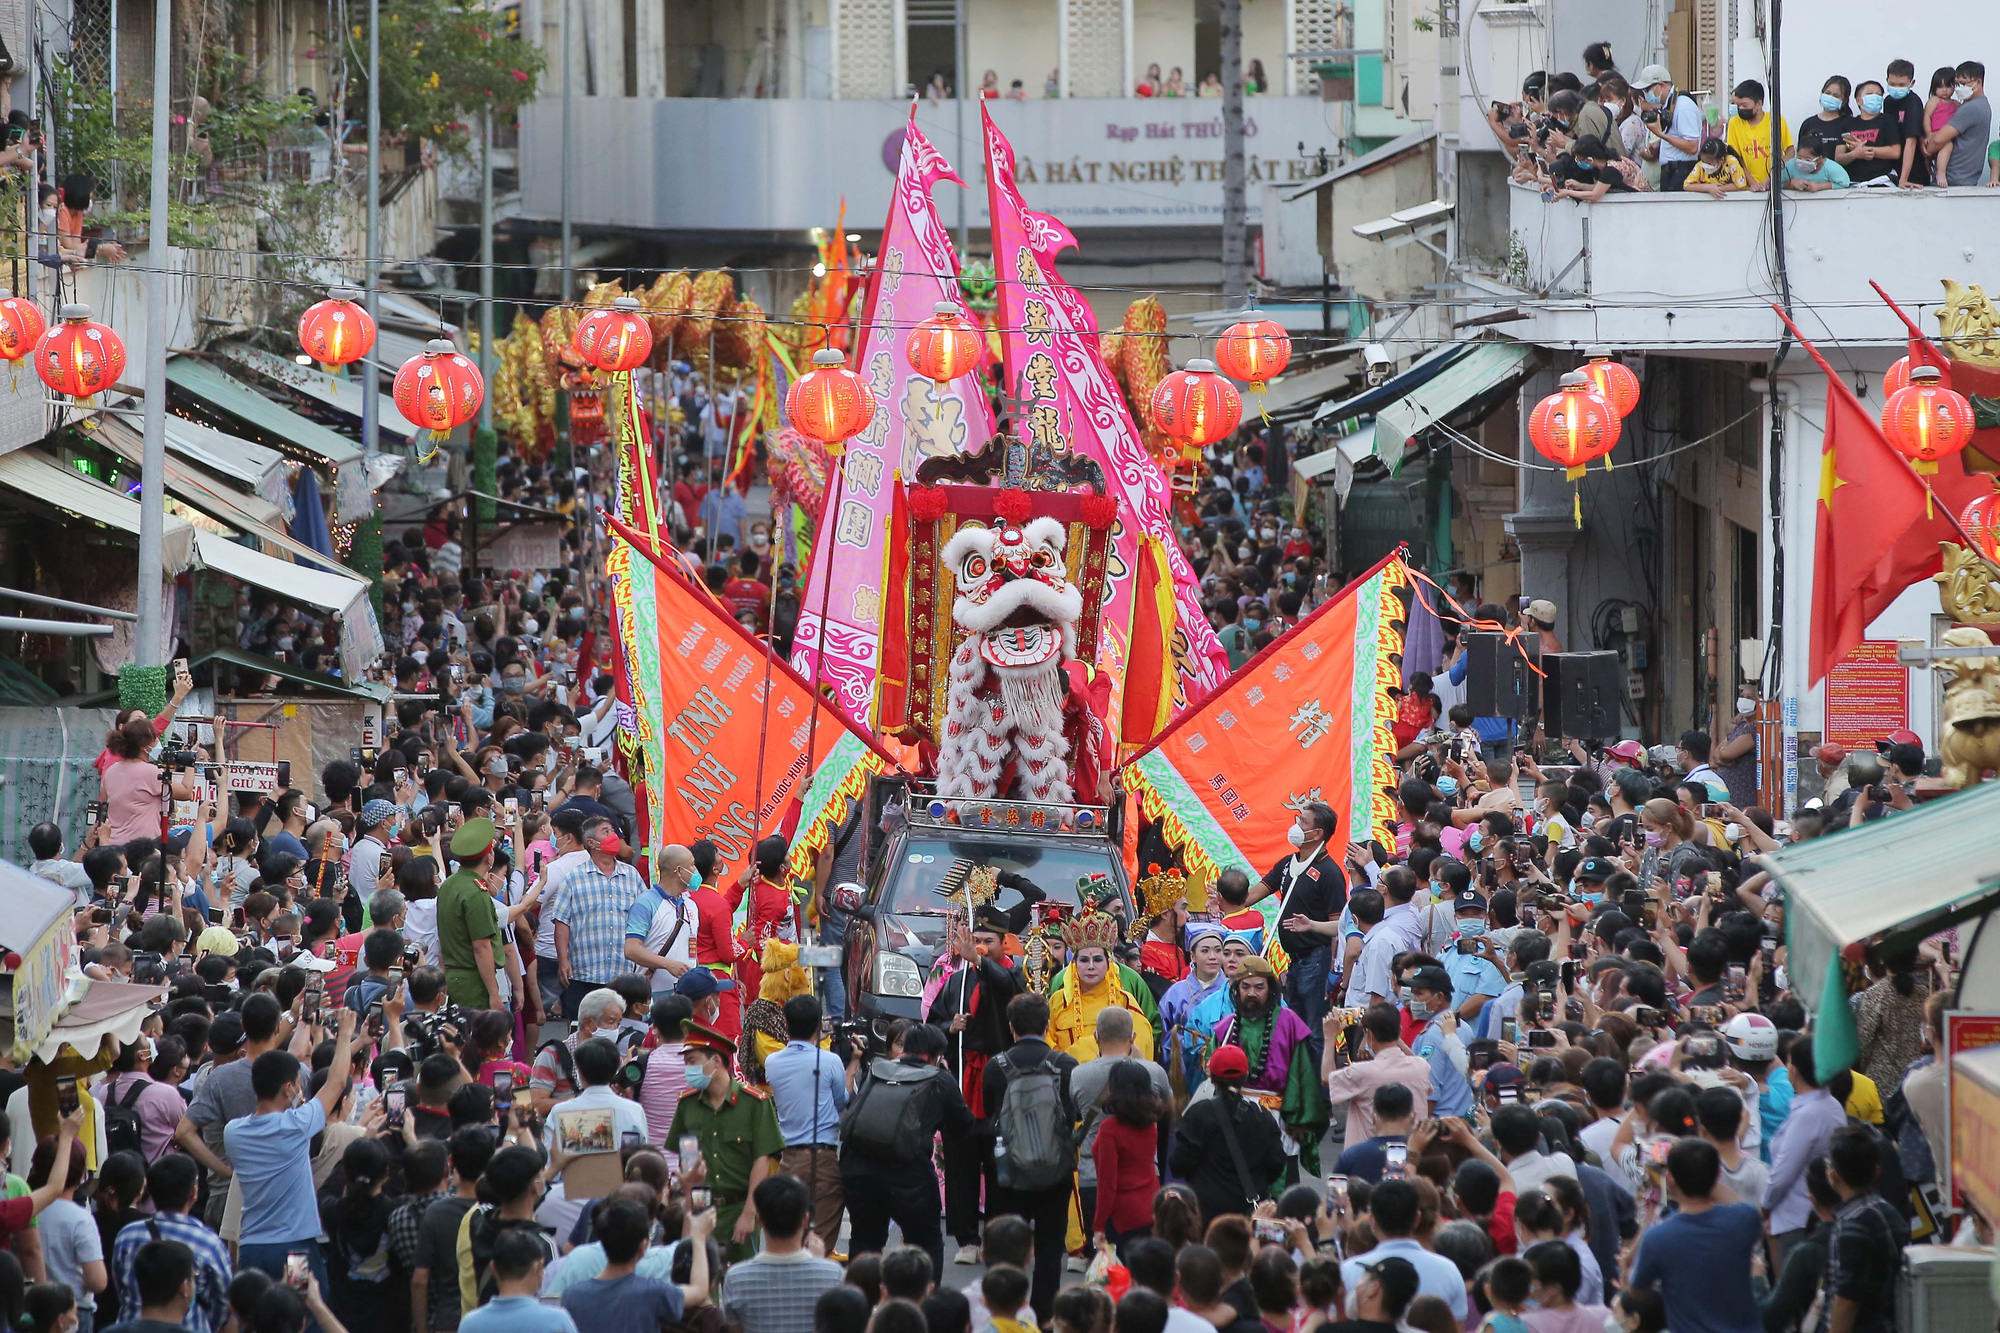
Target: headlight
[{"x": 898, "y": 976}]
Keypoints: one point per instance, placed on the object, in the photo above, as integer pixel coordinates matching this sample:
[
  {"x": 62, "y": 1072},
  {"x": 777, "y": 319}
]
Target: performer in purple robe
[{"x": 1283, "y": 1076}]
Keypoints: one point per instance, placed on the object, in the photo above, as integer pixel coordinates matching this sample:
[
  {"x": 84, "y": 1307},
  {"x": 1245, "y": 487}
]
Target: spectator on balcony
[
  {"x": 1598, "y": 61},
  {"x": 1968, "y": 131},
  {"x": 1150, "y": 85},
  {"x": 1615, "y": 96},
  {"x": 1211, "y": 86},
  {"x": 1255, "y": 82},
  {"x": 939, "y": 88},
  {"x": 1676, "y": 122},
  {"x": 1585, "y": 172},
  {"x": 1938, "y": 109},
  {"x": 75, "y": 197},
  {"x": 1576, "y": 118},
  {"x": 1176, "y": 84},
  {"x": 1719, "y": 172},
  {"x": 1748, "y": 134},
  {"x": 1810, "y": 170},
  {"x": 1052, "y": 86},
  {"x": 1907, "y": 108},
  {"x": 1825, "y": 130},
  {"x": 989, "y": 85},
  {"x": 1017, "y": 91},
  {"x": 1872, "y": 148}
]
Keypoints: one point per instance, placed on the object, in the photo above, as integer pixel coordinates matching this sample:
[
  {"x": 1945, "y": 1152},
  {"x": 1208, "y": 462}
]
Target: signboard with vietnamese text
[
  {"x": 1867, "y": 695},
  {"x": 242, "y": 775},
  {"x": 525, "y": 546},
  {"x": 1966, "y": 1030},
  {"x": 41, "y": 986}
]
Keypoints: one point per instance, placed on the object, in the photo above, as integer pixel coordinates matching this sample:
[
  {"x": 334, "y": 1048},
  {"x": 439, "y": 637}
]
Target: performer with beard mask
[
  {"x": 1283, "y": 1076},
  {"x": 970, "y": 1006}
]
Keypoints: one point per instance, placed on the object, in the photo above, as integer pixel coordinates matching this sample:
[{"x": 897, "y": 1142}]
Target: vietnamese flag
[{"x": 1877, "y": 531}]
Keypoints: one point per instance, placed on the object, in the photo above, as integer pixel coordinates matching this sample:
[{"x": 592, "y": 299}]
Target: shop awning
[
  {"x": 225, "y": 393},
  {"x": 1353, "y": 448},
  {"x": 1372, "y": 400},
  {"x": 322, "y": 588},
  {"x": 39, "y": 477},
  {"x": 1886, "y": 885},
  {"x": 272, "y": 667},
  {"x": 342, "y": 395},
  {"x": 36, "y": 925},
  {"x": 1479, "y": 375},
  {"x": 188, "y": 483},
  {"x": 1297, "y": 394}
]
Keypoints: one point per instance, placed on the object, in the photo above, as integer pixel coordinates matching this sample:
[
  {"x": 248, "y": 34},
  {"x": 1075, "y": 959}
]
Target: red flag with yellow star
[{"x": 1878, "y": 532}]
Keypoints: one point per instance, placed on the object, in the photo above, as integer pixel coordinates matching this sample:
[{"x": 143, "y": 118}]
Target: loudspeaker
[
  {"x": 1582, "y": 694},
  {"x": 1498, "y": 681}
]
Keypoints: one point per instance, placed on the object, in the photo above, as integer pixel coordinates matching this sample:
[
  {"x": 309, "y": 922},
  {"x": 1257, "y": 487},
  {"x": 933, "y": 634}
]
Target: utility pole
[
  {"x": 150, "y": 651},
  {"x": 1235, "y": 269},
  {"x": 566, "y": 16},
  {"x": 371, "y": 380},
  {"x": 485, "y": 446},
  {"x": 958, "y": 32}
]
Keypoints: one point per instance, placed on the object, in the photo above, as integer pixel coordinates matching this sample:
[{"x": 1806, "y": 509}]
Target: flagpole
[{"x": 839, "y": 452}]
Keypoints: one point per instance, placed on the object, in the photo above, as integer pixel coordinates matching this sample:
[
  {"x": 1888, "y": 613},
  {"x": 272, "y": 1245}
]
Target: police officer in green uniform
[
  {"x": 468, "y": 924},
  {"x": 738, "y": 1130}
]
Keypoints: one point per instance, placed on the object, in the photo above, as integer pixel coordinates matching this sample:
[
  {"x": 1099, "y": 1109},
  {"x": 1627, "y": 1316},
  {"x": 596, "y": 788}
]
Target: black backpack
[
  {"x": 121, "y": 1121},
  {"x": 886, "y": 1120}
]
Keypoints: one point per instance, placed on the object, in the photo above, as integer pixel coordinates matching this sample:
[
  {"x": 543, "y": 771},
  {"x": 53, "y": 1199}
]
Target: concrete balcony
[
  {"x": 765, "y": 166},
  {"x": 1693, "y": 273}
]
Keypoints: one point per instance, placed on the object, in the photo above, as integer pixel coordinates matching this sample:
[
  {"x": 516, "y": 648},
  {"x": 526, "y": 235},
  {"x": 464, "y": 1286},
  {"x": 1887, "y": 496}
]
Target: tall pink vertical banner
[
  {"x": 1067, "y": 406},
  {"x": 914, "y": 420}
]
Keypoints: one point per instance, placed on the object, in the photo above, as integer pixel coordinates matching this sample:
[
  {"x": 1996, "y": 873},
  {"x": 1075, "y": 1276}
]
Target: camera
[
  {"x": 1879, "y": 793},
  {"x": 1380, "y": 363},
  {"x": 177, "y": 758},
  {"x": 1649, "y": 117}
]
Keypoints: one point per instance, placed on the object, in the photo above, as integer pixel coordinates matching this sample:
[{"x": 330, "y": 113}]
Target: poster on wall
[
  {"x": 1964, "y": 1030},
  {"x": 1867, "y": 695}
]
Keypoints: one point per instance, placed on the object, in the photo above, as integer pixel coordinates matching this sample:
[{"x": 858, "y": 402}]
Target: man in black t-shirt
[
  {"x": 1311, "y": 889},
  {"x": 1906, "y": 103}
]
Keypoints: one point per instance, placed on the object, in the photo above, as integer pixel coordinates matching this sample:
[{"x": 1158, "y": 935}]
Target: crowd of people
[
  {"x": 439, "y": 1047},
  {"x": 1584, "y": 136}
]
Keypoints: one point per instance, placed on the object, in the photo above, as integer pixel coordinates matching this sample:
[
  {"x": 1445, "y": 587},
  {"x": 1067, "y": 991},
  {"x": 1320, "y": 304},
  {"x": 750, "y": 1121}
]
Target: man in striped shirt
[{"x": 171, "y": 1183}]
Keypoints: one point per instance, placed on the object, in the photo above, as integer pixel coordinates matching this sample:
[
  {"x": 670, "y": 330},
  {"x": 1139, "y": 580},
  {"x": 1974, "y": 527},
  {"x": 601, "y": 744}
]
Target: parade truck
[{"x": 1048, "y": 857}]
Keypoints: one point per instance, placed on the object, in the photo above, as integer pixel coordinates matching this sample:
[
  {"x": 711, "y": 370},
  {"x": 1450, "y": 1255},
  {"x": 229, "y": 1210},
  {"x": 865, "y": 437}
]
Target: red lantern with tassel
[
  {"x": 1572, "y": 426},
  {"x": 1926, "y": 421},
  {"x": 830, "y": 403},
  {"x": 439, "y": 388},
  {"x": 1614, "y": 380},
  {"x": 1981, "y": 520},
  {"x": 1254, "y": 350},
  {"x": 614, "y": 338},
  {"x": 1197, "y": 406},
  {"x": 336, "y": 331},
  {"x": 79, "y": 357},
  {"x": 21, "y": 326},
  {"x": 943, "y": 347}
]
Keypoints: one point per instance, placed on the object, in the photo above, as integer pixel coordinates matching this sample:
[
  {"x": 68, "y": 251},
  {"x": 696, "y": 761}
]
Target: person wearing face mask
[
  {"x": 1825, "y": 131},
  {"x": 1749, "y": 134},
  {"x": 1437, "y": 1042},
  {"x": 1906, "y": 105},
  {"x": 1872, "y": 147},
  {"x": 1675, "y": 121},
  {"x": 1312, "y": 890},
  {"x": 660, "y": 927},
  {"x": 737, "y": 1128},
  {"x": 1968, "y": 131},
  {"x": 1734, "y": 758}
]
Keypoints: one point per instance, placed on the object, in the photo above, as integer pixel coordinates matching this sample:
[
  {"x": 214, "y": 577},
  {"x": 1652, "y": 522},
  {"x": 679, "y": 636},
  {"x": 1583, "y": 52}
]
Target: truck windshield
[{"x": 1051, "y": 870}]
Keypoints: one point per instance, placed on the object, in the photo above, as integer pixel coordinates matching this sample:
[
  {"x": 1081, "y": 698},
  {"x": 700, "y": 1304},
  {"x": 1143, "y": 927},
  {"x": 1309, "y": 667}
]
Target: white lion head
[{"x": 1013, "y": 578}]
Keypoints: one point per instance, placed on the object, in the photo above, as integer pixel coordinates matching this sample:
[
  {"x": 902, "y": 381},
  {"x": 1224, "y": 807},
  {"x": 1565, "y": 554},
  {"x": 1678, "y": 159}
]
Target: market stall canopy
[
  {"x": 1354, "y": 448},
  {"x": 1886, "y": 885},
  {"x": 36, "y": 927},
  {"x": 1372, "y": 400},
  {"x": 1295, "y": 395},
  {"x": 115, "y": 1009},
  {"x": 39, "y": 477},
  {"x": 313, "y": 586},
  {"x": 354, "y": 485},
  {"x": 245, "y": 462},
  {"x": 1468, "y": 383},
  {"x": 190, "y": 484},
  {"x": 337, "y": 392}
]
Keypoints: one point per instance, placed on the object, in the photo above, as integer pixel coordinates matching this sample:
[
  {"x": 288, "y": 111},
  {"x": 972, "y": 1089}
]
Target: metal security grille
[
  {"x": 90, "y": 42},
  {"x": 865, "y": 36},
  {"x": 1096, "y": 48},
  {"x": 1317, "y": 25}
]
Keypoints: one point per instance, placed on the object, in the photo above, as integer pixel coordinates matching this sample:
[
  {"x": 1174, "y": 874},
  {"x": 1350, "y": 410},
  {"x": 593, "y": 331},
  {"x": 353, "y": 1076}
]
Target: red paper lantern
[
  {"x": 943, "y": 347},
  {"x": 1573, "y": 425},
  {"x": 438, "y": 388},
  {"x": 1981, "y": 520},
  {"x": 830, "y": 403},
  {"x": 614, "y": 338},
  {"x": 21, "y": 326},
  {"x": 1197, "y": 406},
  {"x": 336, "y": 331},
  {"x": 78, "y": 357},
  {"x": 1614, "y": 381},
  {"x": 1897, "y": 377},
  {"x": 1253, "y": 350},
  {"x": 1925, "y": 421}
]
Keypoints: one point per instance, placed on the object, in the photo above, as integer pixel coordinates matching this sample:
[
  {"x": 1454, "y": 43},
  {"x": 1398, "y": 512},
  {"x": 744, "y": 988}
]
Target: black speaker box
[
  {"x": 1498, "y": 680},
  {"x": 1582, "y": 694}
]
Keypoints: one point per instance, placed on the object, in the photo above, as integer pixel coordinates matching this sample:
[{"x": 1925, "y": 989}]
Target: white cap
[{"x": 1651, "y": 75}]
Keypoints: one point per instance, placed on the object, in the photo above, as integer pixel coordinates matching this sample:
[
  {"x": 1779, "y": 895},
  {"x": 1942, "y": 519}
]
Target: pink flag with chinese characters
[
  {"x": 916, "y": 269},
  {"x": 1066, "y": 404}
]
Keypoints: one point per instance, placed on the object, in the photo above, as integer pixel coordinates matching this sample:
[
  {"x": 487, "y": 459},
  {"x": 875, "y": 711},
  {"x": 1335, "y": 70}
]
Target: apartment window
[{"x": 932, "y": 39}]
